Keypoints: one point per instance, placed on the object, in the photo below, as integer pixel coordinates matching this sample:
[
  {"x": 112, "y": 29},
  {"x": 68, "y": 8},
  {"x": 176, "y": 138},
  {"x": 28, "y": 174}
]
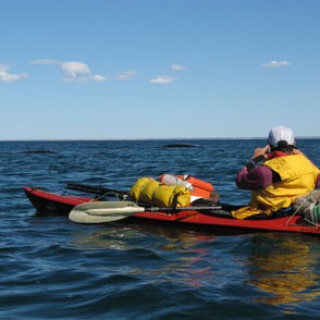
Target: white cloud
[
  {"x": 276, "y": 64},
  {"x": 6, "y": 76},
  {"x": 124, "y": 75},
  {"x": 163, "y": 80},
  {"x": 98, "y": 78},
  {"x": 76, "y": 71},
  {"x": 177, "y": 67}
]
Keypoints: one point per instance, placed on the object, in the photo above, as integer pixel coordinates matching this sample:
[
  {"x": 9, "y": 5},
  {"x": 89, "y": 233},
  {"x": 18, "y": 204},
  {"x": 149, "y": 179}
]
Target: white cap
[{"x": 280, "y": 133}]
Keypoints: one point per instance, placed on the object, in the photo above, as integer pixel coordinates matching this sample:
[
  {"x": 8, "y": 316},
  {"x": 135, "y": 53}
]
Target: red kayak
[{"x": 46, "y": 202}]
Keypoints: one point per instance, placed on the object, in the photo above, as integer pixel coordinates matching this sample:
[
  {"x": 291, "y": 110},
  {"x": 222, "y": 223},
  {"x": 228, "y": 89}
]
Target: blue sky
[{"x": 140, "y": 69}]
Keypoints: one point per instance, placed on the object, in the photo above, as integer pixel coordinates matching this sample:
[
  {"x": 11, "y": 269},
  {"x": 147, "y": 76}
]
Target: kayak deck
[{"x": 46, "y": 202}]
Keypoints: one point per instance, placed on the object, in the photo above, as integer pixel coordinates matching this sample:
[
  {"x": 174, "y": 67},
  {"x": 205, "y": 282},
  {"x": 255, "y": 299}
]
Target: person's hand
[
  {"x": 261, "y": 153},
  {"x": 296, "y": 151}
]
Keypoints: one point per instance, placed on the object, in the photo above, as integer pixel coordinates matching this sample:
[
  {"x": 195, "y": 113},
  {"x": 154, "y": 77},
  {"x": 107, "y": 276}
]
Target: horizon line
[{"x": 143, "y": 139}]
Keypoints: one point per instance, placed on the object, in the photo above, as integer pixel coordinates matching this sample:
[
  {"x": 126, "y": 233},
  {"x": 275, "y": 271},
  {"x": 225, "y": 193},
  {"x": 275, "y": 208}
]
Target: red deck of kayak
[{"x": 44, "y": 201}]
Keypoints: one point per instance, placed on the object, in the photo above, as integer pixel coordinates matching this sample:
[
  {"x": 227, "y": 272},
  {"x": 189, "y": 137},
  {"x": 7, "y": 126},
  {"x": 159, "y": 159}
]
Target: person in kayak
[{"x": 284, "y": 174}]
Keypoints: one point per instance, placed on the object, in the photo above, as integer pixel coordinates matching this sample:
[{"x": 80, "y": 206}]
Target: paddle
[
  {"x": 107, "y": 211},
  {"x": 98, "y": 190}
]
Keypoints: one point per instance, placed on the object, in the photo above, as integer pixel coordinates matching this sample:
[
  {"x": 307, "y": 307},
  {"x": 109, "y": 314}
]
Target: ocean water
[{"x": 52, "y": 268}]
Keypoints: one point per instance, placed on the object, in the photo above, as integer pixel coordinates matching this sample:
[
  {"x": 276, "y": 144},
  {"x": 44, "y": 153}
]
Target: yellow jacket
[{"x": 298, "y": 177}]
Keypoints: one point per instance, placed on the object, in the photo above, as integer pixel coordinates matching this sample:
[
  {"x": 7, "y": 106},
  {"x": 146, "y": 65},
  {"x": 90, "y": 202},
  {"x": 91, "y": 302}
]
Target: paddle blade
[{"x": 103, "y": 211}]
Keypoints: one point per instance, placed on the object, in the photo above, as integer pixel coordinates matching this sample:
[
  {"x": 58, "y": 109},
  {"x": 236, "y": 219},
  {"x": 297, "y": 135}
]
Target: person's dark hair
[{"x": 283, "y": 146}]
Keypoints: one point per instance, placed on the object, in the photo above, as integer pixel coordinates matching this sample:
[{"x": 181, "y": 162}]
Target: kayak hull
[{"x": 46, "y": 202}]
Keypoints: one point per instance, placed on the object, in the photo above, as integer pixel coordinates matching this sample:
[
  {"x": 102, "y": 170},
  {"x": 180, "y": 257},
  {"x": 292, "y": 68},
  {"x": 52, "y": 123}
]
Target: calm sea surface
[{"x": 52, "y": 268}]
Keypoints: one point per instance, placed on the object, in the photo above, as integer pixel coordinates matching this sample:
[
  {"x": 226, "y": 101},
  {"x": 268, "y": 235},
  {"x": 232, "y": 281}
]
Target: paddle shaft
[
  {"x": 178, "y": 209},
  {"x": 98, "y": 209}
]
